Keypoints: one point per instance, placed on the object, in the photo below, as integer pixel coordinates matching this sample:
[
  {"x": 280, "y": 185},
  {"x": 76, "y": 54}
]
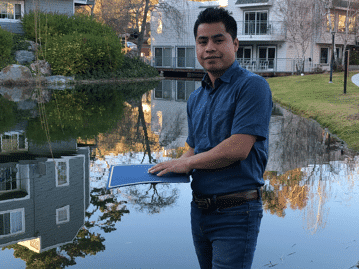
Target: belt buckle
[{"x": 203, "y": 203}]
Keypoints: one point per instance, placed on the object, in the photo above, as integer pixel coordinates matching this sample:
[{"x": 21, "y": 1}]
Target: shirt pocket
[{"x": 222, "y": 123}]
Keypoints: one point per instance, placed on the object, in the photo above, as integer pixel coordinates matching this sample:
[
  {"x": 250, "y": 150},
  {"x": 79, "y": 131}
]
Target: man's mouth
[{"x": 211, "y": 57}]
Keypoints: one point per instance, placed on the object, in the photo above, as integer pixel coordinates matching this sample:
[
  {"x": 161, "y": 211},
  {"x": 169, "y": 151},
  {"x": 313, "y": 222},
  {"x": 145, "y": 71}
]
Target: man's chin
[{"x": 214, "y": 70}]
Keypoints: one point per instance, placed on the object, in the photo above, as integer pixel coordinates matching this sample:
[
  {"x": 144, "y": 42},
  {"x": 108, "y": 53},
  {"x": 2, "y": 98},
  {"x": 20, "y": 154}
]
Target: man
[{"x": 228, "y": 122}]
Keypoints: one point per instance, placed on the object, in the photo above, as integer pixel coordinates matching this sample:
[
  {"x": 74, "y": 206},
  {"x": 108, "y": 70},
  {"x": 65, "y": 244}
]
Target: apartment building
[
  {"x": 12, "y": 11},
  {"x": 264, "y": 33}
]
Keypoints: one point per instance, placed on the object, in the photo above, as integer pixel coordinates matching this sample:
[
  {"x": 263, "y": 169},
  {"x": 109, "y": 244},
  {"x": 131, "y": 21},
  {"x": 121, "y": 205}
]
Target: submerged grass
[{"x": 312, "y": 96}]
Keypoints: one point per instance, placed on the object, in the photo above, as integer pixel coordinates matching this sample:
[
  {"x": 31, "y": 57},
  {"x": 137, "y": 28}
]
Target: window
[
  {"x": 164, "y": 90},
  {"x": 12, "y": 222},
  {"x": 13, "y": 141},
  {"x": 244, "y": 57},
  {"x": 163, "y": 57},
  {"x": 256, "y": 23},
  {"x": 63, "y": 214},
  {"x": 8, "y": 180},
  {"x": 62, "y": 172},
  {"x": 11, "y": 10},
  {"x": 266, "y": 57},
  {"x": 324, "y": 52},
  {"x": 185, "y": 57},
  {"x": 184, "y": 89},
  {"x": 343, "y": 23},
  {"x": 330, "y": 22}
]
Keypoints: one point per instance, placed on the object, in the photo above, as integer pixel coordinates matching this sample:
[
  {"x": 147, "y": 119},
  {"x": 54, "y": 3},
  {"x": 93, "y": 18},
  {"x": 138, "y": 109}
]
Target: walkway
[{"x": 355, "y": 79}]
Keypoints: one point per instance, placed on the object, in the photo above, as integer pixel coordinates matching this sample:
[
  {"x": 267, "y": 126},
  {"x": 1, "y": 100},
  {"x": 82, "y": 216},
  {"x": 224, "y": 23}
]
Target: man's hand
[{"x": 175, "y": 166}]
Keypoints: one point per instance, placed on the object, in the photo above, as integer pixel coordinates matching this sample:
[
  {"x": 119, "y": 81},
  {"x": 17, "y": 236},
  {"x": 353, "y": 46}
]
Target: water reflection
[
  {"x": 53, "y": 200},
  {"x": 304, "y": 158}
]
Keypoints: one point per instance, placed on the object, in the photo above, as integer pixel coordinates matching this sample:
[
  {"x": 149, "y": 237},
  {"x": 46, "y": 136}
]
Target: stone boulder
[
  {"x": 15, "y": 73},
  {"x": 24, "y": 56},
  {"x": 59, "y": 82},
  {"x": 32, "y": 45},
  {"x": 41, "y": 67}
]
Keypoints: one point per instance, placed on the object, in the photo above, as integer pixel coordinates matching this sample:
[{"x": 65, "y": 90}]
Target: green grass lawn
[{"x": 312, "y": 96}]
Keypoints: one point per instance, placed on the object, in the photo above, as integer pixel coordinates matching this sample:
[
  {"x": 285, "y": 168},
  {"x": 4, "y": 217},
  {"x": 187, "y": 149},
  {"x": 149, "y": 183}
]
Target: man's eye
[{"x": 219, "y": 40}]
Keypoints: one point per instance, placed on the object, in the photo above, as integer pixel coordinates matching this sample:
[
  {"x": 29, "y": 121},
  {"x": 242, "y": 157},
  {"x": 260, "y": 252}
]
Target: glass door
[{"x": 266, "y": 58}]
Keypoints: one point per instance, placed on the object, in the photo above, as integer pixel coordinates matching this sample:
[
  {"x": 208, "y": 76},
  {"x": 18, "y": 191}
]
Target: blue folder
[{"x": 125, "y": 175}]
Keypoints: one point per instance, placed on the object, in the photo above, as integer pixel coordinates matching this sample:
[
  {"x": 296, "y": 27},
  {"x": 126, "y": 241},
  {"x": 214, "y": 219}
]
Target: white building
[{"x": 262, "y": 34}]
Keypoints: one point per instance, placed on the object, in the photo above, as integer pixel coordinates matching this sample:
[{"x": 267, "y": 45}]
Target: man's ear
[{"x": 236, "y": 44}]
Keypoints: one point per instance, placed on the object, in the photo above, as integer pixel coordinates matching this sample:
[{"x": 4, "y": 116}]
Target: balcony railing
[
  {"x": 175, "y": 62},
  {"x": 261, "y": 27},
  {"x": 256, "y": 65},
  {"x": 288, "y": 65}
]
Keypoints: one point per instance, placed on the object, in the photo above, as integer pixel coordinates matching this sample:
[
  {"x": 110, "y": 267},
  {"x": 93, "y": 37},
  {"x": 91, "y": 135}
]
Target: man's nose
[{"x": 210, "y": 46}]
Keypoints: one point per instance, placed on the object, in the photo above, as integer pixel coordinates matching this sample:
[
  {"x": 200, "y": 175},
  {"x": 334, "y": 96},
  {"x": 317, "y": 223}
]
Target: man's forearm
[
  {"x": 227, "y": 152},
  {"x": 188, "y": 153},
  {"x": 234, "y": 148}
]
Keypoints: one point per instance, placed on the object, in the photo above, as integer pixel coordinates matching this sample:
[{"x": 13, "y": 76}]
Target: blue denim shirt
[{"x": 240, "y": 103}]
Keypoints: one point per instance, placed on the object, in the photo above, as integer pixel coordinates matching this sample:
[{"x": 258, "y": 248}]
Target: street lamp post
[{"x": 332, "y": 60}]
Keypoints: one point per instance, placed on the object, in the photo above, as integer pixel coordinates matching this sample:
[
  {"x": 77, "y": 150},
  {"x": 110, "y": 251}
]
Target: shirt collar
[{"x": 226, "y": 77}]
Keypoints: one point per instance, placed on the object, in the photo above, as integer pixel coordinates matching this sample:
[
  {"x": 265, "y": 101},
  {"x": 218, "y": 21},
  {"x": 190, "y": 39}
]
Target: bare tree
[
  {"x": 300, "y": 18},
  {"x": 134, "y": 15},
  {"x": 169, "y": 12}
]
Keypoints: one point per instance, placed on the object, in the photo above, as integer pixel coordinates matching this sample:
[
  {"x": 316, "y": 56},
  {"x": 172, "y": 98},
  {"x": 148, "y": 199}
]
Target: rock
[
  {"x": 59, "y": 82},
  {"x": 33, "y": 46},
  {"x": 24, "y": 56},
  {"x": 41, "y": 67},
  {"x": 15, "y": 73},
  {"x": 59, "y": 79},
  {"x": 16, "y": 94},
  {"x": 132, "y": 53}
]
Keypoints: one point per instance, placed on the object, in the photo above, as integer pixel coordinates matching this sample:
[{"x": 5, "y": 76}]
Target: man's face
[{"x": 215, "y": 48}]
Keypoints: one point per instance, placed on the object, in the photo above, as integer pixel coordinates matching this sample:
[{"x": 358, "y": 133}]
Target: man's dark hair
[{"x": 213, "y": 15}]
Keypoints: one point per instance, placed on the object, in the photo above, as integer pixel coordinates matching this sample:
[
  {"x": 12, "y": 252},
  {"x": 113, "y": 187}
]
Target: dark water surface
[{"x": 56, "y": 150}]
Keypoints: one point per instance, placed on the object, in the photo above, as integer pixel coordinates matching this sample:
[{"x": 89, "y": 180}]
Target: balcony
[{"x": 261, "y": 30}]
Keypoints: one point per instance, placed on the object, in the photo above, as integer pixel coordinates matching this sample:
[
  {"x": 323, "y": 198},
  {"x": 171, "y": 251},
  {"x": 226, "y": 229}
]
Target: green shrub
[
  {"x": 74, "y": 45},
  {"x": 80, "y": 53},
  {"x": 7, "y": 114},
  {"x": 5, "y": 44},
  {"x": 134, "y": 67},
  {"x": 53, "y": 24}
]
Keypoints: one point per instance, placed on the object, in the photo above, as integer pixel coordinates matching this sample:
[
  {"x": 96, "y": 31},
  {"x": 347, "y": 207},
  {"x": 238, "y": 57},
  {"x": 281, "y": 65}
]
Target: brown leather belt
[{"x": 225, "y": 201}]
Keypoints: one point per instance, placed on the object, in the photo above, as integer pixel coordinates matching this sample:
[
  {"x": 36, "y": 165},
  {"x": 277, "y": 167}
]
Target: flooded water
[{"x": 56, "y": 150}]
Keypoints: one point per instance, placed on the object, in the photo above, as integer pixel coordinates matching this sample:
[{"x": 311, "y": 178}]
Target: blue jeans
[{"x": 226, "y": 238}]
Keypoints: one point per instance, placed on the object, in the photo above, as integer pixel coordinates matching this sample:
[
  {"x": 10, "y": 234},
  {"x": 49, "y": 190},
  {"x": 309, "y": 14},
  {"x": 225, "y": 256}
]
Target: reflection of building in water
[
  {"x": 43, "y": 200},
  {"x": 303, "y": 163},
  {"x": 297, "y": 142},
  {"x": 13, "y": 141},
  {"x": 169, "y": 114}
]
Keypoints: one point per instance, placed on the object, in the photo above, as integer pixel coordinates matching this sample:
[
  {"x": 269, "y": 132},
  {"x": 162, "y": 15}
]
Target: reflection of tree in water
[
  {"x": 284, "y": 190},
  {"x": 309, "y": 160},
  {"x": 131, "y": 134},
  {"x": 151, "y": 198},
  {"x": 86, "y": 241},
  {"x": 112, "y": 210}
]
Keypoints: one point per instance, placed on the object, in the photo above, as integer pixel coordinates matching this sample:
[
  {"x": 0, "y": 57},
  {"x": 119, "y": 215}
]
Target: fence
[{"x": 257, "y": 65}]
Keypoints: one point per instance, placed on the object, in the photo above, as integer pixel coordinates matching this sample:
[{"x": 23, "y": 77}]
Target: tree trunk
[{"x": 143, "y": 28}]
